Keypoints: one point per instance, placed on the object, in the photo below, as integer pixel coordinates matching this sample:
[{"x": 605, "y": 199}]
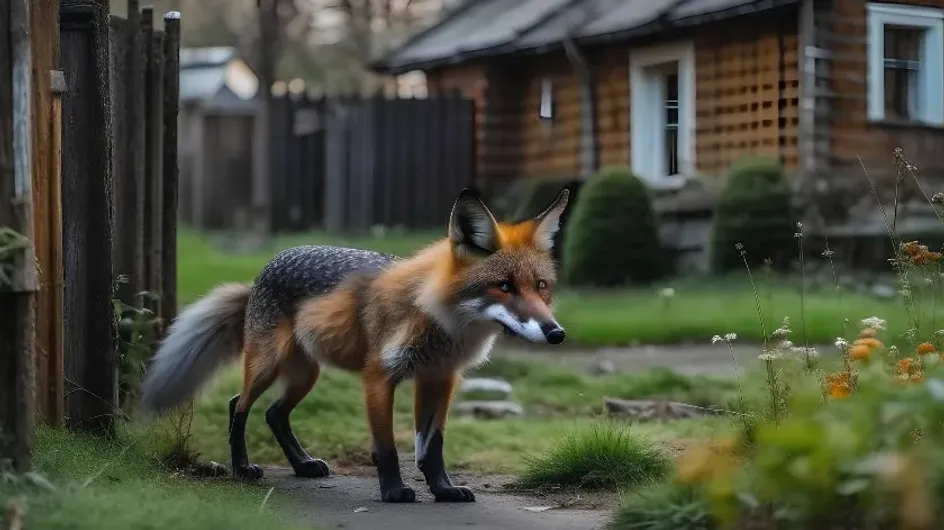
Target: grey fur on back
[
  {"x": 297, "y": 273},
  {"x": 204, "y": 337}
]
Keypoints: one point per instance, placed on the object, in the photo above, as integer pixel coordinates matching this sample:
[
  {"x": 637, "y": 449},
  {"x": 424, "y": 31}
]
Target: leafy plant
[
  {"x": 612, "y": 237},
  {"x": 753, "y": 211}
]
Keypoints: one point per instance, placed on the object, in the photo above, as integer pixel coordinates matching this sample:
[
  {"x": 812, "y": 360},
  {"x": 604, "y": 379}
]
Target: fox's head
[{"x": 503, "y": 273}]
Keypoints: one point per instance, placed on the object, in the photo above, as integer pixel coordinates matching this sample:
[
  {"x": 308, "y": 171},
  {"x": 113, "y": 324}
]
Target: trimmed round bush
[
  {"x": 612, "y": 237},
  {"x": 753, "y": 210}
]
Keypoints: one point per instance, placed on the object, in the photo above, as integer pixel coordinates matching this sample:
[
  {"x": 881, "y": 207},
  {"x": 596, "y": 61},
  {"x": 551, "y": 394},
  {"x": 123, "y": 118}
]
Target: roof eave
[{"x": 382, "y": 66}]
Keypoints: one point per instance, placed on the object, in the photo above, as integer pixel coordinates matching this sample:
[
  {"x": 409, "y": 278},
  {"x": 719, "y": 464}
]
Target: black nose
[{"x": 555, "y": 335}]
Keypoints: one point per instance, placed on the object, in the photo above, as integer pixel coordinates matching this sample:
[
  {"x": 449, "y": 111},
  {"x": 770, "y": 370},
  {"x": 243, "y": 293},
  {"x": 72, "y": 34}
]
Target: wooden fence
[
  {"x": 344, "y": 164},
  {"x": 102, "y": 189}
]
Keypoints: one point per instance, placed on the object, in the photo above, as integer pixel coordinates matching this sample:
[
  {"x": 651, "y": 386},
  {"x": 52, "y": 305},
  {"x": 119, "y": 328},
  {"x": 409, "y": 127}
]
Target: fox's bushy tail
[{"x": 204, "y": 337}]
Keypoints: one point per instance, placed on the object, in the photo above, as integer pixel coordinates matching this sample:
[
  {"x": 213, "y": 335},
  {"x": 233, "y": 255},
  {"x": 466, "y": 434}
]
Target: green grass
[
  {"x": 700, "y": 308},
  {"x": 604, "y": 456},
  {"x": 662, "y": 506},
  {"x": 331, "y": 421},
  {"x": 120, "y": 485}
]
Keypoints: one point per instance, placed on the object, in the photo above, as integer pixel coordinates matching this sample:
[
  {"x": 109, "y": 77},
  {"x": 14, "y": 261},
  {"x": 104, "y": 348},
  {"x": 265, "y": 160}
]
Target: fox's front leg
[
  {"x": 379, "y": 391},
  {"x": 432, "y": 398}
]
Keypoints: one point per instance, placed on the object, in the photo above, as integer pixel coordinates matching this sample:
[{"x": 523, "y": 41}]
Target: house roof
[
  {"x": 483, "y": 28},
  {"x": 205, "y": 72}
]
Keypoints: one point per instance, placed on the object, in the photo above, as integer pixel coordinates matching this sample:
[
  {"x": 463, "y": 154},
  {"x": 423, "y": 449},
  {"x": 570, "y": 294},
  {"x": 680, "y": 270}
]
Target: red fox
[{"x": 428, "y": 318}]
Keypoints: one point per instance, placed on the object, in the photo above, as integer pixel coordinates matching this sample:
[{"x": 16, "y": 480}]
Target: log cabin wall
[
  {"x": 747, "y": 86},
  {"x": 852, "y": 134}
]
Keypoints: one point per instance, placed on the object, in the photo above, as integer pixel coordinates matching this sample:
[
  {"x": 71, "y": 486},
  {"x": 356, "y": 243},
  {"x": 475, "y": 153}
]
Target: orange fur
[{"x": 518, "y": 235}]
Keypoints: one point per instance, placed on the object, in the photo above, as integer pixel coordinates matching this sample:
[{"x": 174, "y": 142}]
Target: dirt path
[
  {"x": 353, "y": 502},
  {"x": 706, "y": 359}
]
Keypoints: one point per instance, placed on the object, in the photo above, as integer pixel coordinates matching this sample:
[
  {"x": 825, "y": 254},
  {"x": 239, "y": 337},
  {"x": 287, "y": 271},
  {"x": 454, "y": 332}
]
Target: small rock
[
  {"x": 488, "y": 409},
  {"x": 486, "y": 388},
  {"x": 538, "y": 509},
  {"x": 647, "y": 410},
  {"x": 362, "y": 509},
  {"x": 884, "y": 291},
  {"x": 603, "y": 367}
]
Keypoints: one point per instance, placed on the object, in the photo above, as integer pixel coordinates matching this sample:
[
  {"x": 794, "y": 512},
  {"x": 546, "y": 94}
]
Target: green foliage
[
  {"x": 754, "y": 210},
  {"x": 665, "y": 506},
  {"x": 604, "y": 456},
  {"x": 612, "y": 236},
  {"x": 11, "y": 242}
]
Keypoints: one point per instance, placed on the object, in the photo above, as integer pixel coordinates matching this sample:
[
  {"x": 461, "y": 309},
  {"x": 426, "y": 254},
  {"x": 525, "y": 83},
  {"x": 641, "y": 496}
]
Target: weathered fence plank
[
  {"x": 87, "y": 149},
  {"x": 171, "y": 108},
  {"x": 18, "y": 284},
  {"x": 153, "y": 158},
  {"x": 47, "y": 209}
]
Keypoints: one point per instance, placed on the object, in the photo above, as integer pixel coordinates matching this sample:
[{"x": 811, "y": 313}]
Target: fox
[{"x": 428, "y": 317}]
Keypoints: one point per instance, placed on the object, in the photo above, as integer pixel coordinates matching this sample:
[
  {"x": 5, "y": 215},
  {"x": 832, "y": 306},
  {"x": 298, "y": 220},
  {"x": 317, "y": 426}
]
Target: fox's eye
[
  {"x": 542, "y": 284},
  {"x": 505, "y": 286}
]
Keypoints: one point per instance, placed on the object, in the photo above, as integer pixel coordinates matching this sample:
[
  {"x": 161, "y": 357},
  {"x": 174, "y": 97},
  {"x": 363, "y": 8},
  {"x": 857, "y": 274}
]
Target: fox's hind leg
[
  {"x": 300, "y": 375},
  {"x": 260, "y": 369},
  {"x": 433, "y": 393}
]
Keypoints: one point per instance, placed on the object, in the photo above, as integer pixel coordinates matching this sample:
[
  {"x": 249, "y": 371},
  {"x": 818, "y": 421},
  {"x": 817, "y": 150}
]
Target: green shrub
[
  {"x": 754, "y": 210},
  {"x": 612, "y": 235},
  {"x": 667, "y": 506},
  {"x": 605, "y": 456}
]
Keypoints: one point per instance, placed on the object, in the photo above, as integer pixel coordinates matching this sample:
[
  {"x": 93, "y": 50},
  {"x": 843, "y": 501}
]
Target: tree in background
[{"x": 327, "y": 43}]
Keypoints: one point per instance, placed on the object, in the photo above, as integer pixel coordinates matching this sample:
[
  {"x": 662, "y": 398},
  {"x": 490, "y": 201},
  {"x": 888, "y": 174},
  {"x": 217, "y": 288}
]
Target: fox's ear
[
  {"x": 548, "y": 221},
  {"x": 472, "y": 227}
]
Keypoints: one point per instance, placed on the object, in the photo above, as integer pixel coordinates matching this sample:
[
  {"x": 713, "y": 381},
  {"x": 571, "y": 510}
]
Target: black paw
[
  {"x": 312, "y": 468},
  {"x": 454, "y": 494},
  {"x": 397, "y": 495},
  {"x": 250, "y": 472}
]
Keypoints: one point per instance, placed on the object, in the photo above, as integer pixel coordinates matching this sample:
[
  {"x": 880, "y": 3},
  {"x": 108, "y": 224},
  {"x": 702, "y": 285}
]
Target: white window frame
[
  {"x": 930, "y": 104},
  {"x": 647, "y": 113}
]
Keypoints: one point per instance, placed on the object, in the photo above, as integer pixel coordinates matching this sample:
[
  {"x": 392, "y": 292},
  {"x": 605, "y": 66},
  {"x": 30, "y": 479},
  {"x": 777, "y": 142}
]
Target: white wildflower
[
  {"x": 874, "y": 322},
  {"x": 730, "y": 337},
  {"x": 769, "y": 356},
  {"x": 841, "y": 344},
  {"x": 785, "y": 345},
  {"x": 810, "y": 352},
  {"x": 668, "y": 292}
]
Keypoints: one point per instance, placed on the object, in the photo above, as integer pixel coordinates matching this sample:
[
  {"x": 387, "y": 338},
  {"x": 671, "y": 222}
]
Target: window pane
[
  {"x": 671, "y": 122},
  {"x": 899, "y": 89},
  {"x": 902, "y": 44}
]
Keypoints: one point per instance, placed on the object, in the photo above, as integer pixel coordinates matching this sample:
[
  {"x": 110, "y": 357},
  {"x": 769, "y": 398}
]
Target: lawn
[
  {"x": 85, "y": 484},
  {"x": 698, "y": 310},
  {"x": 331, "y": 422}
]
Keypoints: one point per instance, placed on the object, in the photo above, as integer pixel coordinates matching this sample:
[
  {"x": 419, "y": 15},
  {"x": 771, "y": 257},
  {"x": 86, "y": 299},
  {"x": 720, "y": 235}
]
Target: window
[
  {"x": 670, "y": 146},
  {"x": 662, "y": 112},
  {"x": 906, "y": 64}
]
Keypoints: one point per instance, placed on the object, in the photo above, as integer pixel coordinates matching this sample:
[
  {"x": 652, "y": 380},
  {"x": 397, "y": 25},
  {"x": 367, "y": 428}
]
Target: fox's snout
[{"x": 535, "y": 328}]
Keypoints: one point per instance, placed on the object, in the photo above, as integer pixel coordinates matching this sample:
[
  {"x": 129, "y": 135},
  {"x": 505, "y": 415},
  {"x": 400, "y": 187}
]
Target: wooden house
[{"x": 679, "y": 89}]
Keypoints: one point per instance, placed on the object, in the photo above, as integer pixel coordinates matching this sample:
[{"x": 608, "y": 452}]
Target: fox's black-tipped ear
[
  {"x": 548, "y": 221},
  {"x": 472, "y": 227}
]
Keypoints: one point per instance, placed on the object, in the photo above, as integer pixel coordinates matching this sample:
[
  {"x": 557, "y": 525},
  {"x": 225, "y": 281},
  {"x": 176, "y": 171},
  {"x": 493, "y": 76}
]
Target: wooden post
[
  {"x": 48, "y": 85},
  {"x": 153, "y": 123},
  {"x": 18, "y": 295},
  {"x": 87, "y": 145},
  {"x": 171, "y": 170},
  {"x": 137, "y": 68}
]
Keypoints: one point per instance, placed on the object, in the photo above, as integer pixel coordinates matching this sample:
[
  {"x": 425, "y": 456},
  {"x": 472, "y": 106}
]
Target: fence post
[
  {"x": 18, "y": 284},
  {"x": 47, "y": 87},
  {"x": 171, "y": 170},
  {"x": 87, "y": 145},
  {"x": 153, "y": 158}
]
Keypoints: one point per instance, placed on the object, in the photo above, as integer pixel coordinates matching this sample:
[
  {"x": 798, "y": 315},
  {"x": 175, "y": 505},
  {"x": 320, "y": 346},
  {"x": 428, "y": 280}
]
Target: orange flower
[
  {"x": 869, "y": 342},
  {"x": 934, "y": 257},
  {"x": 839, "y": 385},
  {"x": 913, "y": 248},
  {"x": 859, "y": 352},
  {"x": 917, "y": 377},
  {"x": 925, "y": 348},
  {"x": 867, "y": 332},
  {"x": 905, "y": 365}
]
